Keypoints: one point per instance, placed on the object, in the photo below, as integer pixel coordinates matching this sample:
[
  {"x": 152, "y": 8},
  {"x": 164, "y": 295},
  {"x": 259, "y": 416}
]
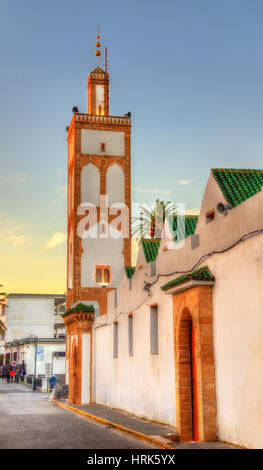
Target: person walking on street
[{"x": 12, "y": 374}]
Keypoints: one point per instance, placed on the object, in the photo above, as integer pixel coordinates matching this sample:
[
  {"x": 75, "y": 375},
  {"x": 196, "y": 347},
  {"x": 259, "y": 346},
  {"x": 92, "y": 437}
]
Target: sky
[{"x": 189, "y": 71}]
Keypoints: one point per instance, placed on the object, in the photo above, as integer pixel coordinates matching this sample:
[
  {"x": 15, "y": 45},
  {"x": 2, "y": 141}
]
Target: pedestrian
[
  {"x": 12, "y": 374},
  {"x": 7, "y": 375},
  {"x": 17, "y": 376}
]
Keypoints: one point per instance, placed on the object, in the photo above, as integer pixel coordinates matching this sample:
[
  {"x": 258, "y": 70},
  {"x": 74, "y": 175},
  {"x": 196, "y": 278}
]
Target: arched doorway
[
  {"x": 194, "y": 365},
  {"x": 187, "y": 380}
]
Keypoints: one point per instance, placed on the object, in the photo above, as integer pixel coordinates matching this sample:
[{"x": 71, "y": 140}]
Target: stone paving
[{"x": 28, "y": 420}]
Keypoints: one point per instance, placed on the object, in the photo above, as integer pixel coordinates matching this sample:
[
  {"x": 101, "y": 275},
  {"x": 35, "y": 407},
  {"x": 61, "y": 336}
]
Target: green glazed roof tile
[
  {"x": 190, "y": 222},
  {"x": 150, "y": 248},
  {"x": 201, "y": 274},
  {"x": 238, "y": 185},
  {"x": 79, "y": 308},
  {"x": 130, "y": 270}
]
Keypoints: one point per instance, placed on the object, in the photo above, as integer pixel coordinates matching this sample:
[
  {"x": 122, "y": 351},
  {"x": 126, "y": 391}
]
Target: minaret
[
  {"x": 98, "y": 88},
  {"x": 99, "y": 190}
]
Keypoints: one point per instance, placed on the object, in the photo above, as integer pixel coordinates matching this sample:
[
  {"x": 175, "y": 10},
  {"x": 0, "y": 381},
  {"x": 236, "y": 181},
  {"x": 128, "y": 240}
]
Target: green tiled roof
[
  {"x": 201, "y": 274},
  {"x": 150, "y": 248},
  {"x": 79, "y": 308},
  {"x": 238, "y": 185},
  {"x": 190, "y": 224},
  {"x": 130, "y": 270}
]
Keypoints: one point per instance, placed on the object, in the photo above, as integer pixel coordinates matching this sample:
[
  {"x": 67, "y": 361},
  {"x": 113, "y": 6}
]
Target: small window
[
  {"x": 154, "y": 329},
  {"x": 115, "y": 340},
  {"x": 210, "y": 215},
  {"x": 153, "y": 268},
  {"x": 103, "y": 147},
  {"x": 103, "y": 228},
  {"x": 99, "y": 275},
  {"x": 102, "y": 275},
  {"x": 130, "y": 334},
  {"x": 100, "y": 109}
]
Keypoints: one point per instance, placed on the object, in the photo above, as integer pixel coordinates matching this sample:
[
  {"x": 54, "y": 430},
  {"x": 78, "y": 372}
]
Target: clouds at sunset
[{"x": 57, "y": 239}]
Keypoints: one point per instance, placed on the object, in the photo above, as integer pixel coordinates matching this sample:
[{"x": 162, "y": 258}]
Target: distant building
[
  {"x": 2, "y": 331},
  {"x": 35, "y": 319}
]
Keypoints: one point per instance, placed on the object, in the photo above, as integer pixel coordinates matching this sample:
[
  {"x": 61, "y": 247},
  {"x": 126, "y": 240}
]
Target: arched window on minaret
[
  {"x": 115, "y": 184},
  {"x": 90, "y": 184}
]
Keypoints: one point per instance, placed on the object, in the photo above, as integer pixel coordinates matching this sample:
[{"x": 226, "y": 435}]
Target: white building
[
  {"x": 35, "y": 333},
  {"x": 181, "y": 342}
]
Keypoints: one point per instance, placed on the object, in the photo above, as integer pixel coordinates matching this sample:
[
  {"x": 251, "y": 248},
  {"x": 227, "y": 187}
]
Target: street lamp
[{"x": 35, "y": 367}]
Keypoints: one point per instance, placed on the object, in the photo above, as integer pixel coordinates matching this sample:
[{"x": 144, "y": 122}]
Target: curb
[{"x": 119, "y": 427}]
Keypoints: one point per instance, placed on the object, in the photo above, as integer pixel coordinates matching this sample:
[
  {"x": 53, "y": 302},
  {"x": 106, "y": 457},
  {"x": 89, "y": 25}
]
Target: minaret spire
[{"x": 97, "y": 52}]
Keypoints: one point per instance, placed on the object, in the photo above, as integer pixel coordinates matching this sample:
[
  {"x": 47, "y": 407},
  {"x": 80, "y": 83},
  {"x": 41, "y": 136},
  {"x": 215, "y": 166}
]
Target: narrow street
[{"x": 28, "y": 420}]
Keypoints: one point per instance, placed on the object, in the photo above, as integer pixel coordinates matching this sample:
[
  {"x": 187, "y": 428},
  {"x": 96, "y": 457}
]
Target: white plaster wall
[
  {"x": 90, "y": 184},
  {"x": 29, "y": 316},
  {"x": 212, "y": 196},
  {"x": 238, "y": 333},
  {"x": 105, "y": 251},
  {"x": 143, "y": 383},
  {"x": 91, "y": 140},
  {"x": 85, "y": 379},
  {"x": 115, "y": 184}
]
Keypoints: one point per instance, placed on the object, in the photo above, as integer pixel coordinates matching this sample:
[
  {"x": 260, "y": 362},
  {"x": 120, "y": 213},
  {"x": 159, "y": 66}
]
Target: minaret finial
[{"x": 97, "y": 52}]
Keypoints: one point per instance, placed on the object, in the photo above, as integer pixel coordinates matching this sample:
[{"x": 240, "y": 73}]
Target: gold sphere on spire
[{"x": 97, "y": 52}]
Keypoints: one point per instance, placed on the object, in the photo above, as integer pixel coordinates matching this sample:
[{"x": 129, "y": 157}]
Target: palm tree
[
  {"x": 2, "y": 328},
  {"x": 151, "y": 219}
]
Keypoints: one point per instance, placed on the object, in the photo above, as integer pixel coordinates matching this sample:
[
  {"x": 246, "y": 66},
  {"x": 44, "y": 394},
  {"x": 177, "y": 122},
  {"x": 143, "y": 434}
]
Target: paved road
[{"x": 28, "y": 420}]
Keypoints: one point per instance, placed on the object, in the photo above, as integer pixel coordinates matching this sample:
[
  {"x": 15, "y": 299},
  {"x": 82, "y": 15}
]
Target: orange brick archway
[{"x": 194, "y": 362}]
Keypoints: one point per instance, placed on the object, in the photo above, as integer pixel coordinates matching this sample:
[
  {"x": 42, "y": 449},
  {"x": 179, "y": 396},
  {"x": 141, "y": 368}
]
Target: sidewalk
[{"x": 157, "y": 434}]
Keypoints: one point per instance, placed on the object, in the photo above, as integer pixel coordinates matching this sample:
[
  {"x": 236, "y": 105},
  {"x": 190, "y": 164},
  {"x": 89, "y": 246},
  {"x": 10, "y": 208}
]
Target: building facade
[{"x": 35, "y": 333}]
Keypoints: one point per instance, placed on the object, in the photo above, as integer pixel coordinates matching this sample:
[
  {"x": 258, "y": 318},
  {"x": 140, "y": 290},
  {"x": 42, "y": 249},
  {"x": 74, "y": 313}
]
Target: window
[
  {"x": 115, "y": 340},
  {"x": 130, "y": 334},
  {"x": 102, "y": 275},
  {"x": 153, "y": 268},
  {"x": 154, "y": 329},
  {"x": 103, "y": 147},
  {"x": 210, "y": 215}
]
